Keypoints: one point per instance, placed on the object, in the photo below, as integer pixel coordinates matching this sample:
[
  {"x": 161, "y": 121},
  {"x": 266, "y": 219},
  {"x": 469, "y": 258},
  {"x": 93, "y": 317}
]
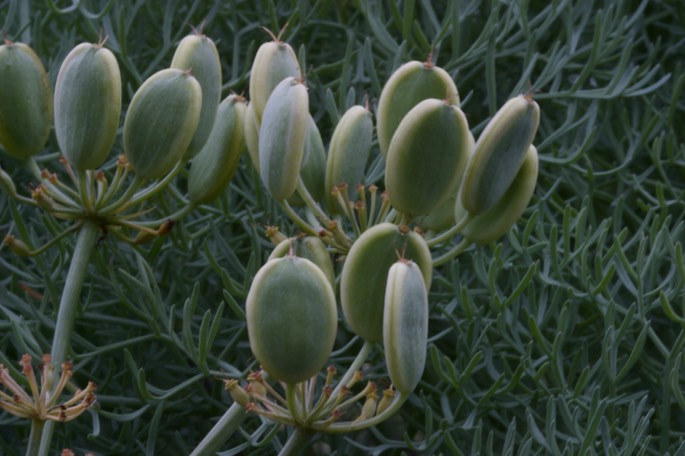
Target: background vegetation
[{"x": 565, "y": 337}]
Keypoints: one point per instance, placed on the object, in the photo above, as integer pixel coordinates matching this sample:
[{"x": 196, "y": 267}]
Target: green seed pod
[
  {"x": 291, "y": 318},
  {"x": 87, "y": 105},
  {"x": 282, "y": 136},
  {"x": 349, "y": 151},
  {"x": 426, "y": 157},
  {"x": 498, "y": 154},
  {"x": 311, "y": 248},
  {"x": 213, "y": 168},
  {"x": 25, "y": 101},
  {"x": 313, "y": 165},
  {"x": 493, "y": 223},
  {"x": 408, "y": 85},
  {"x": 365, "y": 272},
  {"x": 197, "y": 53},
  {"x": 153, "y": 142},
  {"x": 252, "y": 135},
  {"x": 405, "y": 325},
  {"x": 273, "y": 62}
]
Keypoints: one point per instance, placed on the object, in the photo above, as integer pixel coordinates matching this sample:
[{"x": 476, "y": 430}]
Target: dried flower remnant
[{"x": 42, "y": 404}]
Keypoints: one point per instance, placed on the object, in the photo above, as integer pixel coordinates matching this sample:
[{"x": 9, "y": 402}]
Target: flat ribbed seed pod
[
  {"x": 498, "y": 154},
  {"x": 291, "y": 318},
  {"x": 493, "y": 223},
  {"x": 273, "y": 62},
  {"x": 161, "y": 121},
  {"x": 348, "y": 152},
  {"x": 197, "y": 53},
  {"x": 405, "y": 325},
  {"x": 365, "y": 272},
  {"x": 426, "y": 157},
  {"x": 87, "y": 105},
  {"x": 407, "y": 86},
  {"x": 25, "y": 101},
  {"x": 282, "y": 136},
  {"x": 213, "y": 168},
  {"x": 311, "y": 248}
]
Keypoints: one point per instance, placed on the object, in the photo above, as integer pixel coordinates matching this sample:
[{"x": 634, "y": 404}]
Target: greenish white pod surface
[
  {"x": 407, "y": 86},
  {"x": 154, "y": 143},
  {"x": 252, "y": 135},
  {"x": 311, "y": 248},
  {"x": 282, "y": 137},
  {"x": 313, "y": 165},
  {"x": 499, "y": 153},
  {"x": 273, "y": 62},
  {"x": 349, "y": 151},
  {"x": 493, "y": 223},
  {"x": 198, "y": 54},
  {"x": 213, "y": 168},
  {"x": 365, "y": 273},
  {"x": 405, "y": 325},
  {"x": 426, "y": 157},
  {"x": 25, "y": 101},
  {"x": 87, "y": 105},
  {"x": 291, "y": 318}
]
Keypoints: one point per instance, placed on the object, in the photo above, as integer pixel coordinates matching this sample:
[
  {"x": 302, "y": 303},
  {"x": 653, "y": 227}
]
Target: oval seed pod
[
  {"x": 313, "y": 165},
  {"x": 87, "y": 105},
  {"x": 197, "y": 53},
  {"x": 498, "y": 153},
  {"x": 213, "y": 168},
  {"x": 407, "y": 86},
  {"x": 426, "y": 157},
  {"x": 365, "y": 272},
  {"x": 273, "y": 62},
  {"x": 291, "y": 318},
  {"x": 493, "y": 223},
  {"x": 161, "y": 121},
  {"x": 252, "y": 135},
  {"x": 282, "y": 135},
  {"x": 348, "y": 152},
  {"x": 311, "y": 248},
  {"x": 405, "y": 325},
  {"x": 25, "y": 101}
]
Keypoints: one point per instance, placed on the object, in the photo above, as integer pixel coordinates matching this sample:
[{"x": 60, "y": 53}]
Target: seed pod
[
  {"x": 273, "y": 62},
  {"x": 197, "y": 53},
  {"x": 498, "y": 153},
  {"x": 252, "y": 135},
  {"x": 426, "y": 157},
  {"x": 87, "y": 105},
  {"x": 291, "y": 318},
  {"x": 408, "y": 85},
  {"x": 213, "y": 168},
  {"x": 313, "y": 165},
  {"x": 153, "y": 142},
  {"x": 405, "y": 325},
  {"x": 25, "y": 101},
  {"x": 349, "y": 151},
  {"x": 282, "y": 135},
  {"x": 365, "y": 272},
  {"x": 311, "y": 248},
  {"x": 493, "y": 223}
]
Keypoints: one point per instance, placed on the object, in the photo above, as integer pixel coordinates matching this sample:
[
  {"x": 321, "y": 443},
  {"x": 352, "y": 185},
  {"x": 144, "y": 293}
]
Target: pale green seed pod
[
  {"x": 213, "y": 168},
  {"x": 87, "y": 105},
  {"x": 365, "y": 272},
  {"x": 407, "y": 86},
  {"x": 498, "y": 153},
  {"x": 161, "y": 121},
  {"x": 426, "y": 157},
  {"x": 198, "y": 54},
  {"x": 252, "y": 135},
  {"x": 291, "y": 318},
  {"x": 273, "y": 62},
  {"x": 282, "y": 137},
  {"x": 349, "y": 151},
  {"x": 25, "y": 101},
  {"x": 311, "y": 248},
  {"x": 496, "y": 221},
  {"x": 313, "y": 165},
  {"x": 405, "y": 325}
]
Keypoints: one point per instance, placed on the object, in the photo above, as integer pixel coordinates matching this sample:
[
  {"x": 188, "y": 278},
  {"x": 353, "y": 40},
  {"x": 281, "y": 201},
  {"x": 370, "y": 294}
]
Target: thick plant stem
[
  {"x": 221, "y": 431},
  {"x": 68, "y": 307},
  {"x": 297, "y": 442},
  {"x": 35, "y": 437}
]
